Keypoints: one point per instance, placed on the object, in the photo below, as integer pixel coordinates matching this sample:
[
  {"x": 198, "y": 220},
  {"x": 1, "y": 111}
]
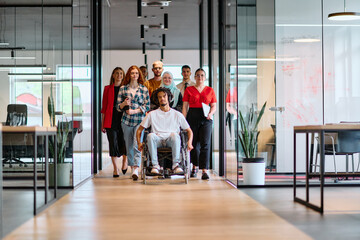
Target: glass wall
[
  {"x": 231, "y": 164},
  {"x": 81, "y": 91},
  {"x": 309, "y": 79},
  {"x": 215, "y": 79},
  {"x": 44, "y": 64}
]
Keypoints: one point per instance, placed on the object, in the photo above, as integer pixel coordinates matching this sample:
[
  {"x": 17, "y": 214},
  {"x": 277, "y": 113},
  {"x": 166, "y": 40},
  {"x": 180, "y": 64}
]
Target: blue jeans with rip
[{"x": 132, "y": 152}]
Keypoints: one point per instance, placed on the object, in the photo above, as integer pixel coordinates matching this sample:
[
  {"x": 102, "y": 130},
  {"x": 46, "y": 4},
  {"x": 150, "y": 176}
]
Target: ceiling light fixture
[
  {"x": 143, "y": 48},
  {"x": 161, "y": 54},
  {"x": 156, "y": 4},
  {"x": 142, "y": 32},
  {"x": 344, "y": 16},
  {"x": 306, "y": 40},
  {"x": 4, "y": 44},
  {"x": 166, "y": 23},
  {"x": 145, "y": 59},
  {"x": 22, "y": 58},
  {"x": 139, "y": 8}
]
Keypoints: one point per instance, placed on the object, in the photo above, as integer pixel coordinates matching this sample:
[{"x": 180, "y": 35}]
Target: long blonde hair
[{"x": 112, "y": 80}]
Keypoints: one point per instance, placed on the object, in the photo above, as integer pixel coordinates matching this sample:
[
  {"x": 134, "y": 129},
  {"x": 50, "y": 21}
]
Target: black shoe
[
  {"x": 205, "y": 176},
  {"x": 193, "y": 173},
  {"x": 116, "y": 175},
  {"x": 124, "y": 171}
]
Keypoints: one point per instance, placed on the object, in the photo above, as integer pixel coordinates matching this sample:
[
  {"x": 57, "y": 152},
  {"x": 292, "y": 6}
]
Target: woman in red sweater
[
  {"x": 200, "y": 123},
  {"x": 111, "y": 121}
]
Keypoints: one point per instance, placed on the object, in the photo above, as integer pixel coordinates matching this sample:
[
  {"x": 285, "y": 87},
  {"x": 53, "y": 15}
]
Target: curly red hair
[{"x": 127, "y": 78}]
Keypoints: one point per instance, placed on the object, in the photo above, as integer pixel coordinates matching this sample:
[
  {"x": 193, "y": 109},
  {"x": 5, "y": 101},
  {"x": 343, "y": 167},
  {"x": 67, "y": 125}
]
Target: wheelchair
[{"x": 165, "y": 160}]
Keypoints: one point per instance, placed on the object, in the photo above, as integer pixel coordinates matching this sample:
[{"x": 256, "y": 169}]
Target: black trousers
[
  {"x": 116, "y": 142},
  {"x": 201, "y": 127}
]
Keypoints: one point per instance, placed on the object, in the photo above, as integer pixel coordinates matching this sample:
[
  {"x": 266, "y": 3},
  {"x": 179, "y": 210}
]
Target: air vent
[{"x": 155, "y": 4}]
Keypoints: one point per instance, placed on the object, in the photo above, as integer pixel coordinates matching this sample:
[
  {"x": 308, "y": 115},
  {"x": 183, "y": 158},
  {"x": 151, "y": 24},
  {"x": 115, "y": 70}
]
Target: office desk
[
  {"x": 36, "y": 132},
  {"x": 321, "y": 130}
]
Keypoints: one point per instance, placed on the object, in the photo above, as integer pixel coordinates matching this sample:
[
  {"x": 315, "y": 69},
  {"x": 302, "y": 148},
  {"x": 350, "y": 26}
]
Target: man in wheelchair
[{"x": 165, "y": 124}]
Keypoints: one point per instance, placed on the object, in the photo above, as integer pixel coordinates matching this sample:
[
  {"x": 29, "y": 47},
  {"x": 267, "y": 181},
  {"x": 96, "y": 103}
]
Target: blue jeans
[
  {"x": 173, "y": 141},
  {"x": 132, "y": 152}
]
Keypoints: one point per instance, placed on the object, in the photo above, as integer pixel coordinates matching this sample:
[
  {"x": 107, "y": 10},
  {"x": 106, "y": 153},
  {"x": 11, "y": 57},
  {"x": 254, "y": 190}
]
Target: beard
[{"x": 163, "y": 104}]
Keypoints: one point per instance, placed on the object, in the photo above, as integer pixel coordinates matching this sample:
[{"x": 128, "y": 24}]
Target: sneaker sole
[{"x": 135, "y": 177}]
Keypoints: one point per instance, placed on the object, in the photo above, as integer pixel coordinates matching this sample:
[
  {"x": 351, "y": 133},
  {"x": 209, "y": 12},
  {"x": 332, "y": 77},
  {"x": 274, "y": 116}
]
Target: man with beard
[
  {"x": 165, "y": 125},
  {"x": 155, "y": 82}
]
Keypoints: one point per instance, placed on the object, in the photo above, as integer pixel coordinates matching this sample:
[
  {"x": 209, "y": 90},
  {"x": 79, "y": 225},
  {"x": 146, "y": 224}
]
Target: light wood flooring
[{"x": 108, "y": 208}]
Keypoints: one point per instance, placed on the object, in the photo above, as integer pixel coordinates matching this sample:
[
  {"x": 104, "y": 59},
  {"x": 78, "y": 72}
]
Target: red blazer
[{"x": 108, "y": 105}]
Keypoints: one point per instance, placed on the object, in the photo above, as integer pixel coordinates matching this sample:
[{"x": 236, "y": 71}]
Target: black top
[{"x": 116, "y": 117}]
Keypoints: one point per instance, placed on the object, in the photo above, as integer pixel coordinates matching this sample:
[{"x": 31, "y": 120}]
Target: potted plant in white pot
[
  {"x": 62, "y": 132},
  {"x": 253, "y": 166}
]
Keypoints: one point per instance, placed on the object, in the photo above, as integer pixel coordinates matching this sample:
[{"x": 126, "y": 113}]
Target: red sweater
[{"x": 108, "y": 105}]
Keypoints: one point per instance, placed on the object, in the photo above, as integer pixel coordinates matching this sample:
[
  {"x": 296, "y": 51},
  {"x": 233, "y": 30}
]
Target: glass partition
[
  {"x": 231, "y": 142},
  {"x": 81, "y": 91},
  {"x": 216, "y": 81},
  {"x": 310, "y": 79},
  {"x": 45, "y": 54}
]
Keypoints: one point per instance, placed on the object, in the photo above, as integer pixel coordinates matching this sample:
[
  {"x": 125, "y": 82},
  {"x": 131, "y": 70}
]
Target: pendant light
[
  {"x": 142, "y": 31},
  {"x": 344, "y": 16},
  {"x": 139, "y": 3},
  {"x": 166, "y": 21}
]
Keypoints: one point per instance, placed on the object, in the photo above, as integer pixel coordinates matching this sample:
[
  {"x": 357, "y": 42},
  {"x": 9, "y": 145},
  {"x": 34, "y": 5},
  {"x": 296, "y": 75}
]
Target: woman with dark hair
[
  {"x": 199, "y": 106},
  {"x": 111, "y": 120},
  {"x": 134, "y": 102}
]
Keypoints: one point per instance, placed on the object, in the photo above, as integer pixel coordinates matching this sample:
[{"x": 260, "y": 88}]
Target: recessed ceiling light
[{"x": 306, "y": 40}]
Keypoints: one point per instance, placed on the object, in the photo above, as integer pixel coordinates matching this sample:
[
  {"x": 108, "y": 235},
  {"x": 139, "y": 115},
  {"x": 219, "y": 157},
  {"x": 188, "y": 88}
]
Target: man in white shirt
[
  {"x": 186, "y": 73},
  {"x": 165, "y": 125}
]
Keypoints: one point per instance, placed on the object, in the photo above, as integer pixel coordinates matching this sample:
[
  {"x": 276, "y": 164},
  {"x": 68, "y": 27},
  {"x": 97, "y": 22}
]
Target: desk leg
[
  {"x": 46, "y": 168},
  {"x": 322, "y": 169},
  {"x": 307, "y": 167},
  {"x": 294, "y": 166},
  {"x": 55, "y": 167},
  {"x": 35, "y": 171},
  {"x": 312, "y": 152}
]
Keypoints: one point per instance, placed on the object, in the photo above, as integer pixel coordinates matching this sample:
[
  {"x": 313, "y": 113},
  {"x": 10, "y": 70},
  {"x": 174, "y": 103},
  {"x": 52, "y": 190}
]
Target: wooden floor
[{"x": 107, "y": 208}]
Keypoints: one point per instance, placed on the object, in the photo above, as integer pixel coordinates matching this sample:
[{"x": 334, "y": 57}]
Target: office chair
[
  {"x": 16, "y": 116},
  {"x": 272, "y": 164},
  {"x": 341, "y": 143}
]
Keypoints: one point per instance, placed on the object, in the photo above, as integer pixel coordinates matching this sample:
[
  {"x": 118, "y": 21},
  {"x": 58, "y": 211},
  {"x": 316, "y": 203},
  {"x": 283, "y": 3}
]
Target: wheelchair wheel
[{"x": 144, "y": 175}]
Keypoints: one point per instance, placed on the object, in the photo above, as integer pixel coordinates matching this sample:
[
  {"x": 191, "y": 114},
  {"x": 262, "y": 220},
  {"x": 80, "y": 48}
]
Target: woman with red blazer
[{"x": 111, "y": 121}]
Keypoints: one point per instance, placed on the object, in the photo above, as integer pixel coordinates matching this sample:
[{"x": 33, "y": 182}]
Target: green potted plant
[
  {"x": 253, "y": 166},
  {"x": 62, "y": 132}
]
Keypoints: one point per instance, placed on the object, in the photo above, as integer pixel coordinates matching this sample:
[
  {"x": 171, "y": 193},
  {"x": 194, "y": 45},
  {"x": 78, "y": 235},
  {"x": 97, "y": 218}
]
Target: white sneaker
[
  {"x": 135, "y": 174},
  {"x": 155, "y": 170},
  {"x": 178, "y": 170}
]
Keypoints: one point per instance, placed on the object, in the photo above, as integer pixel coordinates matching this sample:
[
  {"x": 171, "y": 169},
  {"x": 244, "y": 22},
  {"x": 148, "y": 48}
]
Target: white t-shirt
[{"x": 164, "y": 123}]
